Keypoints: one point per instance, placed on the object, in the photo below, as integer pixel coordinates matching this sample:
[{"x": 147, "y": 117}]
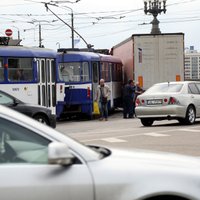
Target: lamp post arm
[{"x": 88, "y": 45}]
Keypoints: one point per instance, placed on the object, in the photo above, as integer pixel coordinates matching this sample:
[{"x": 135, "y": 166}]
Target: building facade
[{"x": 192, "y": 64}]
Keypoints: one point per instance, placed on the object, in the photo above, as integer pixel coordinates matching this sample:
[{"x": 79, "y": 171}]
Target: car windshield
[
  {"x": 5, "y": 99},
  {"x": 165, "y": 88}
]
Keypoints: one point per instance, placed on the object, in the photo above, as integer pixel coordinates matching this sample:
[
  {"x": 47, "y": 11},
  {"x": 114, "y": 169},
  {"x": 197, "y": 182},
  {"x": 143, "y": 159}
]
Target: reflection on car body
[
  {"x": 38, "y": 162},
  {"x": 170, "y": 100}
]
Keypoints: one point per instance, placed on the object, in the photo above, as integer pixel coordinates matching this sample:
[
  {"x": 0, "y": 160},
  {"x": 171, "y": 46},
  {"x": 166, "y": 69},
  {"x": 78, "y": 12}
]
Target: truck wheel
[
  {"x": 146, "y": 121},
  {"x": 190, "y": 115}
]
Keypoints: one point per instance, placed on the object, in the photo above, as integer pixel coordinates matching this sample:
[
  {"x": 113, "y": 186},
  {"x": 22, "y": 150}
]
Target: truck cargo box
[{"x": 150, "y": 59}]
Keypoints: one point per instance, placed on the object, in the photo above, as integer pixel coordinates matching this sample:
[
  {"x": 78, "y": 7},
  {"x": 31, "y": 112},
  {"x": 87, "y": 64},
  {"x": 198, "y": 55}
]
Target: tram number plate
[{"x": 154, "y": 102}]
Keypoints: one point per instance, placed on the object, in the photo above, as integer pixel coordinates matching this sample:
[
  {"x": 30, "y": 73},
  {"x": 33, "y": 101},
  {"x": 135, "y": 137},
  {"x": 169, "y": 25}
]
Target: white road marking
[
  {"x": 155, "y": 134},
  {"x": 103, "y": 131},
  {"x": 161, "y": 133},
  {"x": 125, "y": 136},
  {"x": 113, "y": 140},
  {"x": 189, "y": 130}
]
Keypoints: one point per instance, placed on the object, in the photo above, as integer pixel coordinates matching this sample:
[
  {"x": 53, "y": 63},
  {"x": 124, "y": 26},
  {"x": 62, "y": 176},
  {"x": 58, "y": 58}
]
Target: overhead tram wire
[
  {"x": 120, "y": 12},
  {"x": 111, "y": 11},
  {"x": 46, "y": 5},
  {"x": 11, "y": 5},
  {"x": 182, "y": 2},
  {"x": 134, "y": 10}
]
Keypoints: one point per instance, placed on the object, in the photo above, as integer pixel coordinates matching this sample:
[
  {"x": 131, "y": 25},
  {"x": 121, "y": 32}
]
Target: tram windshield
[{"x": 74, "y": 72}]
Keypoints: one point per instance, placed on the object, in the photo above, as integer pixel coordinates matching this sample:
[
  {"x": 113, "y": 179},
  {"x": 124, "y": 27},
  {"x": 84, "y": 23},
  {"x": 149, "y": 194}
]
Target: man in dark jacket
[{"x": 128, "y": 96}]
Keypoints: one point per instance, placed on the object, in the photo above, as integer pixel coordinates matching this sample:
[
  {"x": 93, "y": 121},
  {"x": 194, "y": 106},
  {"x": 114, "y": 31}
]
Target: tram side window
[
  {"x": 1, "y": 70},
  {"x": 95, "y": 72},
  {"x": 85, "y": 72},
  {"x": 20, "y": 69},
  {"x": 114, "y": 72},
  {"x": 105, "y": 71},
  {"x": 117, "y": 72}
]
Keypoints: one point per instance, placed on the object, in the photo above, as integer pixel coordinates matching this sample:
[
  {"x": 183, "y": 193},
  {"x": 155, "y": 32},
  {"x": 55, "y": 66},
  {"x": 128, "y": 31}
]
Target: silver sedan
[
  {"x": 39, "y": 163},
  {"x": 171, "y": 100}
]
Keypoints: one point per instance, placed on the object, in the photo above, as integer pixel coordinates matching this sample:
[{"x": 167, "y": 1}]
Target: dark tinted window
[
  {"x": 198, "y": 86},
  {"x": 192, "y": 88},
  {"x": 95, "y": 74},
  {"x": 116, "y": 72},
  {"x": 105, "y": 71}
]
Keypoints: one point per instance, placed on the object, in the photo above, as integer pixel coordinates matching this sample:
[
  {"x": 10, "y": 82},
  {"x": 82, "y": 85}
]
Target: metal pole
[
  {"x": 72, "y": 29},
  {"x": 18, "y": 34},
  {"x": 40, "y": 36}
]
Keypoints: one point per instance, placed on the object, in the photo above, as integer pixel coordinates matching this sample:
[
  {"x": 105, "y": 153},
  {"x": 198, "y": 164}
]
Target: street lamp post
[
  {"x": 72, "y": 16},
  {"x": 18, "y": 32},
  {"x": 155, "y": 7},
  {"x": 72, "y": 25},
  {"x": 39, "y": 25},
  {"x": 89, "y": 46}
]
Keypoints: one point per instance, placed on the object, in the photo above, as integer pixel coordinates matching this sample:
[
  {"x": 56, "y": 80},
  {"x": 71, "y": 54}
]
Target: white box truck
[{"x": 150, "y": 59}]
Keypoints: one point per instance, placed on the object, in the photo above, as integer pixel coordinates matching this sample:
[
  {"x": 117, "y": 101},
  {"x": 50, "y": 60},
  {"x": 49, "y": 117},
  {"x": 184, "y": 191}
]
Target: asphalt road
[{"x": 167, "y": 136}]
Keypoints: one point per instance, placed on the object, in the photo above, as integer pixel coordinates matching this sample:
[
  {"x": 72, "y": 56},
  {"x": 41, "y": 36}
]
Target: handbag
[
  {"x": 96, "y": 108},
  {"x": 104, "y": 100}
]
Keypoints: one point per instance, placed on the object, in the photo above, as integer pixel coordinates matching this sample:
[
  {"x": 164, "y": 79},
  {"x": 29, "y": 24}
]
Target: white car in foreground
[
  {"x": 169, "y": 100},
  {"x": 39, "y": 163}
]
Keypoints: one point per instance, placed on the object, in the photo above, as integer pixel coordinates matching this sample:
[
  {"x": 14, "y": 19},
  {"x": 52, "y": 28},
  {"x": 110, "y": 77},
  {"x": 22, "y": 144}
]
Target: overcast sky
[{"x": 102, "y": 23}]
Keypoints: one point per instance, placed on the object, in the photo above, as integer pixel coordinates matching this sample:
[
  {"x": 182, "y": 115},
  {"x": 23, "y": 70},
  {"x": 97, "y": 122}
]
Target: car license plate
[{"x": 154, "y": 102}]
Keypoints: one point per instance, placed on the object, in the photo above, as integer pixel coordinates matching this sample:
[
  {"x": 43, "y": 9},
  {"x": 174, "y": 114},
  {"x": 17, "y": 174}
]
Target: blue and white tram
[
  {"x": 29, "y": 74},
  {"x": 78, "y": 77}
]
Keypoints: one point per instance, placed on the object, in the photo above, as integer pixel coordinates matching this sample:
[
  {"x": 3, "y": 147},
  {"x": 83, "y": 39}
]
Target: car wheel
[
  {"x": 146, "y": 122},
  {"x": 190, "y": 115},
  {"x": 42, "y": 119}
]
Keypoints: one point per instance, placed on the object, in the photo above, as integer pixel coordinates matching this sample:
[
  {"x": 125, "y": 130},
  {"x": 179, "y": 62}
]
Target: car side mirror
[
  {"x": 15, "y": 102},
  {"x": 58, "y": 153}
]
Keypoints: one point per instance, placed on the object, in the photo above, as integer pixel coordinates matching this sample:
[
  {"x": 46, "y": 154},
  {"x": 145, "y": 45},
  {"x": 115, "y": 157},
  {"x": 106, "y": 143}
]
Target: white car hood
[
  {"x": 154, "y": 158},
  {"x": 139, "y": 174}
]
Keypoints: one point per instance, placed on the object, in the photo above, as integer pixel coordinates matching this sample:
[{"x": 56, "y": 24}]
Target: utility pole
[
  {"x": 72, "y": 24},
  {"x": 18, "y": 35},
  {"x": 40, "y": 36},
  {"x": 18, "y": 32},
  {"x": 72, "y": 29}
]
